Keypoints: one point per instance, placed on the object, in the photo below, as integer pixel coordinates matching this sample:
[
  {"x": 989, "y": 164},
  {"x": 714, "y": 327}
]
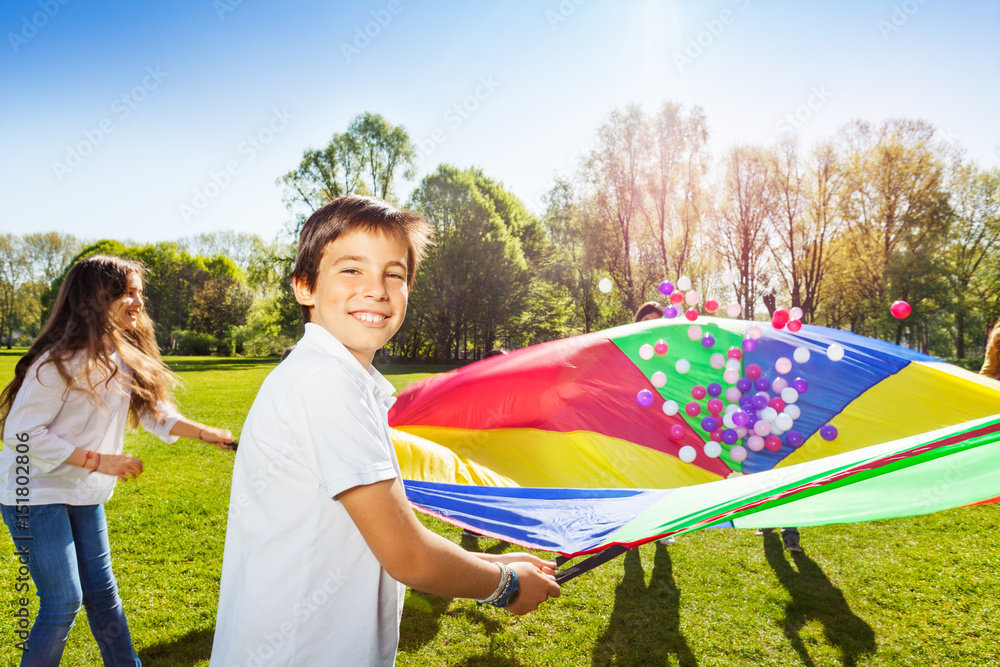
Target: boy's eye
[
  {"x": 394, "y": 275},
  {"x": 350, "y": 271}
]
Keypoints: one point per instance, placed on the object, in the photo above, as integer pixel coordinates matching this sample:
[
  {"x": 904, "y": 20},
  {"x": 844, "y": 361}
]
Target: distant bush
[{"x": 194, "y": 343}]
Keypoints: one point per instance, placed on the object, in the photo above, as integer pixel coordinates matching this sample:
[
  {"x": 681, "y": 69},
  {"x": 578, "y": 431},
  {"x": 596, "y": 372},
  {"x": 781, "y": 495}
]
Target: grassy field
[{"x": 919, "y": 591}]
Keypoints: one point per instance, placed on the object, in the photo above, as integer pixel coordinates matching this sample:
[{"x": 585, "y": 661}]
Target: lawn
[{"x": 917, "y": 591}]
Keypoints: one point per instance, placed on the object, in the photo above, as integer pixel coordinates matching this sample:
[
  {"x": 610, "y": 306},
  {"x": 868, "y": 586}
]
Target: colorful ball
[
  {"x": 713, "y": 450},
  {"x": 731, "y": 376},
  {"x": 661, "y": 347},
  {"x": 777, "y": 404},
  {"x": 676, "y": 298},
  {"x": 759, "y": 402},
  {"x": 783, "y": 421},
  {"x": 717, "y": 361},
  {"x": 694, "y": 332},
  {"x": 900, "y": 310},
  {"x": 794, "y": 326},
  {"x": 762, "y": 383},
  {"x": 734, "y": 353},
  {"x": 801, "y": 355},
  {"x": 693, "y": 409},
  {"x": 646, "y": 351},
  {"x": 670, "y": 408},
  {"x": 744, "y": 384},
  {"x": 711, "y": 305},
  {"x": 734, "y": 310},
  {"x": 670, "y": 312},
  {"x": 762, "y": 428},
  {"x": 733, "y": 394},
  {"x": 794, "y": 439},
  {"x": 755, "y": 332},
  {"x": 741, "y": 418},
  {"x": 749, "y": 344},
  {"x": 714, "y": 389},
  {"x": 753, "y": 371},
  {"x": 692, "y": 297},
  {"x": 684, "y": 283},
  {"x": 691, "y": 314},
  {"x": 755, "y": 443},
  {"x": 682, "y": 366},
  {"x": 828, "y": 432},
  {"x": 728, "y": 277},
  {"x": 729, "y": 436},
  {"x": 698, "y": 392},
  {"x": 687, "y": 453},
  {"x": 707, "y": 341},
  {"x": 645, "y": 398},
  {"x": 709, "y": 424},
  {"x": 793, "y": 411},
  {"x": 772, "y": 443},
  {"x": 789, "y": 395},
  {"x": 716, "y": 435},
  {"x": 783, "y": 365},
  {"x": 666, "y": 287},
  {"x": 800, "y": 385},
  {"x": 604, "y": 285},
  {"x": 659, "y": 379},
  {"x": 714, "y": 406},
  {"x": 738, "y": 454},
  {"x": 835, "y": 352},
  {"x": 795, "y": 313},
  {"x": 676, "y": 432}
]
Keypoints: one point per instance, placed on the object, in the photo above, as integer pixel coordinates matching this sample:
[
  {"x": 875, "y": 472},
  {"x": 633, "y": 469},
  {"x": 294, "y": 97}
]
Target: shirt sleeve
[
  {"x": 339, "y": 432},
  {"x": 161, "y": 427},
  {"x": 38, "y": 401}
]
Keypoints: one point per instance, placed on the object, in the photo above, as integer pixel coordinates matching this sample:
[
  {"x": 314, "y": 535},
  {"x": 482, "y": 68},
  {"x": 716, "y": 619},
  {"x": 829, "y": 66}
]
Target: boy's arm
[{"x": 428, "y": 562}]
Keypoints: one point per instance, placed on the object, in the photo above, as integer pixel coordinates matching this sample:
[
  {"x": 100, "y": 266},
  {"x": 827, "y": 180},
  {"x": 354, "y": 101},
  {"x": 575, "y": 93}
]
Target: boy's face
[{"x": 360, "y": 292}]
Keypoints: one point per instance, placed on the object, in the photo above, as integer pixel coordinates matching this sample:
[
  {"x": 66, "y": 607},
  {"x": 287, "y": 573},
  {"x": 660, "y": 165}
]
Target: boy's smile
[{"x": 360, "y": 292}]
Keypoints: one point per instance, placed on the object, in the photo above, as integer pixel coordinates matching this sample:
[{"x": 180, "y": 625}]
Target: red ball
[
  {"x": 781, "y": 315},
  {"x": 691, "y": 314},
  {"x": 772, "y": 443},
  {"x": 735, "y": 353},
  {"x": 794, "y": 325},
  {"x": 900, "y": 310},
  {"x": 777, "y": 404},
  {"x": 716, "y": 435},
  {"x": 676, "y": 297},
  {"x": 711, "y": 305}
]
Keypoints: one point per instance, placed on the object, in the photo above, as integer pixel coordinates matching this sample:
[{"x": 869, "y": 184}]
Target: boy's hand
[{"x": 537, "y": 585}]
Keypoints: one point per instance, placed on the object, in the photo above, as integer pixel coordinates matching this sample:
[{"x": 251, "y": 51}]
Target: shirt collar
[{"x": 324, "y": 341}]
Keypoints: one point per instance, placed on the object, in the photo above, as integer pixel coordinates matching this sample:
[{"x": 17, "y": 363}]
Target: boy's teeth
[{"x": 368, "y": 317}]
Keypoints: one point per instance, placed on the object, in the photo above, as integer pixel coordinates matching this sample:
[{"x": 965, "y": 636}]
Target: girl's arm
[
  {"x": 185, "y": 428},
  {"x": 122, "y": 466}
]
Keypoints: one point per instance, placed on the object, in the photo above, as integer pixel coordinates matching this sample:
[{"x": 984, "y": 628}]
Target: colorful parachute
[{"x": 576, "y": 444}]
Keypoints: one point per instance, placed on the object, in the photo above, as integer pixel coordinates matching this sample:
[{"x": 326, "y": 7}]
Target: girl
[{"x": 94, "y": 367}]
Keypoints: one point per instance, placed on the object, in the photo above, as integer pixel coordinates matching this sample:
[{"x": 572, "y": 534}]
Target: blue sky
[{"x": 217, "y": 98}]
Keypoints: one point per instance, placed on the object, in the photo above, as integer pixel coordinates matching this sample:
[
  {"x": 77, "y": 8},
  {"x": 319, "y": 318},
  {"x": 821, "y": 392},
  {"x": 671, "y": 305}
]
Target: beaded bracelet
[
  {"x": 507, "y": 591},
  {"x": 505, "y": 573}
]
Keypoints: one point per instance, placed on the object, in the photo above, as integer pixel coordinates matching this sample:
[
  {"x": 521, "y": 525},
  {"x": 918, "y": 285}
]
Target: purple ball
[
  {"x": 828, "y": 432},
  {"x": 793, "y": 438},
  {"x": 744, "y": 385},
  {"x": 762, "y": 383},
  {"x": 645, "y": 398},
  {"x": 729, "y": 436},
  {"x": 800, "y": 385},
  {"x": 741, "y": 418},
  {"x": 758, "y": 402},
  {"x": 746, "y": 403},
  {"x": 709, "y": 424},
  {"x": 749, "y": 344},
  {"x": 714, "y": 389},
  {"x": 666, "y": 287},
  {"x": 670, "y": 312},
  {"x": 707, "y": 341}
]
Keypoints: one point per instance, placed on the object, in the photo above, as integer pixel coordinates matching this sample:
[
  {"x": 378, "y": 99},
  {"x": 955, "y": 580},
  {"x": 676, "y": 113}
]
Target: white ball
[
  {"x": 789, "y": 395},
  {"x": 768, "y": 414},
  {"x": 694, "y": 332},
  {"x": 733, "y": 365},
  {"x": 682, "y": 366},
  {"x": 687, "y": 453},
  {"x": 728, "y": 278},
  {"x": 801, "y": 355},
  {"x": 692, "y": 298},
  {"x": 684, "y": 283},
  {"x": 793, "y": 411},
  {"x": 778, "y": 385},
  {"x": 734, "y": 309},
  {"x": 741, "y": 431},
  {"x": 835, "y": 352},
  {"x": 783, "y": 421},
  {"x": 755, "y": 332},
  {"x": 731, "y": 376},
  {"x": 713, "y": 449},
  {"x": 658, "y": 379},
  {"x": 604, "y": 285},
  {"x": 727, "y": 421},
  {"x": 733, "y": 395},
  {"x": 717, "y": 360},
  {"x": 670, "y": 408},
  {"x": 795, "y": 313},
  {"x": 730, "y": 409},
  {"x": 646, "y": 351},
  {"x": 738, "y": 453}
]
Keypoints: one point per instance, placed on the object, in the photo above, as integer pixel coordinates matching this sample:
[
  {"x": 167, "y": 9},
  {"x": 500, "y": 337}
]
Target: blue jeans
[{"x": 69, "y": 559}]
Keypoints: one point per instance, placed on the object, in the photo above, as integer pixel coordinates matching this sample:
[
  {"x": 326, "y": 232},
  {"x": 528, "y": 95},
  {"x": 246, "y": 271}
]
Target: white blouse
[{"x": 47, "y": 420}]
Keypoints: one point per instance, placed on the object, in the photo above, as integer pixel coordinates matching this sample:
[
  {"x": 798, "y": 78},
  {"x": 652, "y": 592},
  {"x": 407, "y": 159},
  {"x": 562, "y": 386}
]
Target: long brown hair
[{"x": 82, "y": 322}]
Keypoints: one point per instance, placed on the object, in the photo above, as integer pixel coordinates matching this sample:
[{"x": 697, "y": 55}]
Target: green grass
[{"x": 917, "y": 591}]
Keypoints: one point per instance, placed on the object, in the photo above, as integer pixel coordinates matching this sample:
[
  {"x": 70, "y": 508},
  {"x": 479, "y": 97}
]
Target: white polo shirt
[{"x": 299, "y": 584}]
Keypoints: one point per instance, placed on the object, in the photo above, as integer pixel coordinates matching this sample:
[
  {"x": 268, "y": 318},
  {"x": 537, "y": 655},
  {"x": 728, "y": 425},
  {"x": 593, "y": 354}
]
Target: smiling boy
[{"x": 321, "y": 539}]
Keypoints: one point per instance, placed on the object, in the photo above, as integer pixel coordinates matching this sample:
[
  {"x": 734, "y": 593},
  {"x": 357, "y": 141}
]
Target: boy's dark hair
[
  {"x": 356, "y": 213},
  {"x": 647, "y": 309}
]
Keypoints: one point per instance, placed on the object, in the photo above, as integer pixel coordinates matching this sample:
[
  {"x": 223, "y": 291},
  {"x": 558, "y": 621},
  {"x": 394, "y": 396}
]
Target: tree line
[{"x": 875, "y": 213}]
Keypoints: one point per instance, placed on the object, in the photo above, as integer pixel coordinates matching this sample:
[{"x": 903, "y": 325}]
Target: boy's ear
[{"x": 302, "y": 292}]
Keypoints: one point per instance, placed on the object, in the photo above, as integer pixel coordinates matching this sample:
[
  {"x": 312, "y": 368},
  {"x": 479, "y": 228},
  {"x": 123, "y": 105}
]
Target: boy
[{"x": 321, "y": 539}]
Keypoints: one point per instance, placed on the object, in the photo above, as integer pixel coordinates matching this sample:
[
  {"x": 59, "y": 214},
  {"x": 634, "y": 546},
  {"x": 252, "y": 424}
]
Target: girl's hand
[
  {"x": 122, "y": 466},
  {"x": 219, "y": 437}
]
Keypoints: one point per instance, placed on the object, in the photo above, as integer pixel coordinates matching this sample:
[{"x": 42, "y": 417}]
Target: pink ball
[
  {"x": 714, "y": 406},
  {"x": 711, "y": 305},
  {"x": 772, "y": 443},
  {"x": 778, "y": 385},
  {"x": 698, "y": 392},
  {"x": 676, "y": 298},
  {"x": 762, "y": 428},
  {"x": 693, "y": 409},
  {"x": 691, "y": 314},
  {"x": 716, "y": 435},
  {"x": 755, "y": 443},
  {"x": 753, "y": 371},
  {"x": 900, "y": 310},
  {"x": 738, "y": 453},
  {"x": 735, "y": 353},
  {"x": 777, "y": 404},
  {"x": 661, "y": 347},
  {"x": 676, "y": 432},
  {"x": 783, "y": 365},
  {"x": 794, "y": 326}
]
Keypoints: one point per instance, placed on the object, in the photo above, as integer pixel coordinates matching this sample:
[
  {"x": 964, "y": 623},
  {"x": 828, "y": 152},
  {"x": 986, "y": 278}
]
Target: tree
[
  {"x": 220, "y": 303},
  {"x": 237, "y": 246},
  {"x": 15, "y": 271},
  {"x": 50, "y": 254},
  {"x": 384, "y": 150}
]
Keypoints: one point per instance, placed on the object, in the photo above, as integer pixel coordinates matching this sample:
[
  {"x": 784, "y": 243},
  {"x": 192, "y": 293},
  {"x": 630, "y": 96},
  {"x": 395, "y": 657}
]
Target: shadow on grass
[
  {"x": 644, "y": 628},
  {"x": 814, "y": 597},
  {"x": 199, "y": 364},
  {"x": 193, "y": 647}
]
